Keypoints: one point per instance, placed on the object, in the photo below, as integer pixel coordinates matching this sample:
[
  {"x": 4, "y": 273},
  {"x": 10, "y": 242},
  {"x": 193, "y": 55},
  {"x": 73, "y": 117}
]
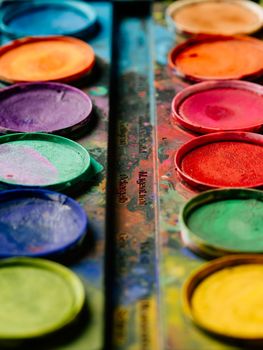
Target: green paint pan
[
  {"x": 44, "y": 160},
  {"x": 227, "y": 221},
  {"x": 37, "y": 298}
]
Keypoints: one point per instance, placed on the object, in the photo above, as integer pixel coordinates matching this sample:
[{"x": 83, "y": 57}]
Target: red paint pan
[
  {"x": 218, "y": 57},
  {"x": 220, "y": 106},
  {"x": 225, "y": 159}
]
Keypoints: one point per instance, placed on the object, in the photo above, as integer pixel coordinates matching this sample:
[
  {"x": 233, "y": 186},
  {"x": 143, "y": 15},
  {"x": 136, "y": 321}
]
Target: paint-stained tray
[
  {"x": 133, "y": 280},
  {"x": 122, "y": 303}
]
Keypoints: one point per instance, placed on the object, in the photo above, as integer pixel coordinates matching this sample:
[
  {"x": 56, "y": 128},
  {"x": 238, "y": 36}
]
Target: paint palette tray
[{"x": 134, "y": 263}]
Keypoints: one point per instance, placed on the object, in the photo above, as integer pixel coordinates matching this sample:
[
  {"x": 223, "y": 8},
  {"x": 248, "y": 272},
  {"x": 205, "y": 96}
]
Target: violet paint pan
[{"x": 43, "y": 107}]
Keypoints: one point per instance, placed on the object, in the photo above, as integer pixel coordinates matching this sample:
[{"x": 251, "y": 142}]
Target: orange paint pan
[
  {"x": 56, "y": 58},
  {"x": 218, "y": 17},
  {"x": 218, "y": 57}
]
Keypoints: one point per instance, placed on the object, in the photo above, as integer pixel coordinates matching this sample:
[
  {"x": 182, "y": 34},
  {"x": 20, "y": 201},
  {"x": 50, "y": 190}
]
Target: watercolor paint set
[{"x": 131, "y": 175}]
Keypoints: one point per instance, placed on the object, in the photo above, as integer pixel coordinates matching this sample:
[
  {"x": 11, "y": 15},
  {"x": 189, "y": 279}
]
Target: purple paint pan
[{"x": 43, "y": 107}]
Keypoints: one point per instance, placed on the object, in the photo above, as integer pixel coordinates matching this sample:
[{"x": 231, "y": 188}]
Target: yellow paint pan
[{"x": 225, "y": 298}]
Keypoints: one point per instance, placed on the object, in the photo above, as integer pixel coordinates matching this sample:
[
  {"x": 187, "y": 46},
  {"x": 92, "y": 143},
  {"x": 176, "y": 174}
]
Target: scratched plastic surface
[{"x": 135, "y": 284}]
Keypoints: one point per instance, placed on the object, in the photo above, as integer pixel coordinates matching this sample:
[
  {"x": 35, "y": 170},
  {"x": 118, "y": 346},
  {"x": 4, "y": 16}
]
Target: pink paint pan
[{"x": 220, "y": 106}]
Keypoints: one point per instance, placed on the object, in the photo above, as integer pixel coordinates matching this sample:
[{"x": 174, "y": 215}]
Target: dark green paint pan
[{"x": 227, "y": 221}]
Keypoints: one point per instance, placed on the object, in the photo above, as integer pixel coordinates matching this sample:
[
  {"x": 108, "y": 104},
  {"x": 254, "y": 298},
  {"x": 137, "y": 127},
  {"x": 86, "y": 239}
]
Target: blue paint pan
[
  {"x": 39, "y": 223},
  {"x": 47, "y": 17}
]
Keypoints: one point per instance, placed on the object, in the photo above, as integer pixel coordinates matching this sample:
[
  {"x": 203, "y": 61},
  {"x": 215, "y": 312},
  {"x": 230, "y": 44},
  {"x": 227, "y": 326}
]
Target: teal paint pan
[
  {"x": 44, "y": 160},
  {"x": 227, "y": 221},
  {"x": 37, "y": 297},
  {"x": 48, "y": 17}
]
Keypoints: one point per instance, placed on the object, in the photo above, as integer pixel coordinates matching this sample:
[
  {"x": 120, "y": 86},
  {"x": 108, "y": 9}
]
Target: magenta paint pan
[
  {"x": 220, "y": 106},
  {"x": 223, "y": 159},
  {"x": 43, "y": 107}
]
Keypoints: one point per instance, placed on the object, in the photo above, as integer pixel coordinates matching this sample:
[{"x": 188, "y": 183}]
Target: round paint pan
[
  {"x": 48, "y": 17},
  {"x": 225, "y": 17},
  {"x": 227, "y": 221},
  {"x": 37, "y": 298},
  {"x": 46, "y": 107},
  {"x": 44, "y": 59},
  {"x": 215, "y": 106},
  {"x": 227, "y": 159},
  {"x": 42, "y": 160},
  {"x": 218, "y": 57},
  {"x": 39, "y": 223},
  {"x": 224, "y": 298}
]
